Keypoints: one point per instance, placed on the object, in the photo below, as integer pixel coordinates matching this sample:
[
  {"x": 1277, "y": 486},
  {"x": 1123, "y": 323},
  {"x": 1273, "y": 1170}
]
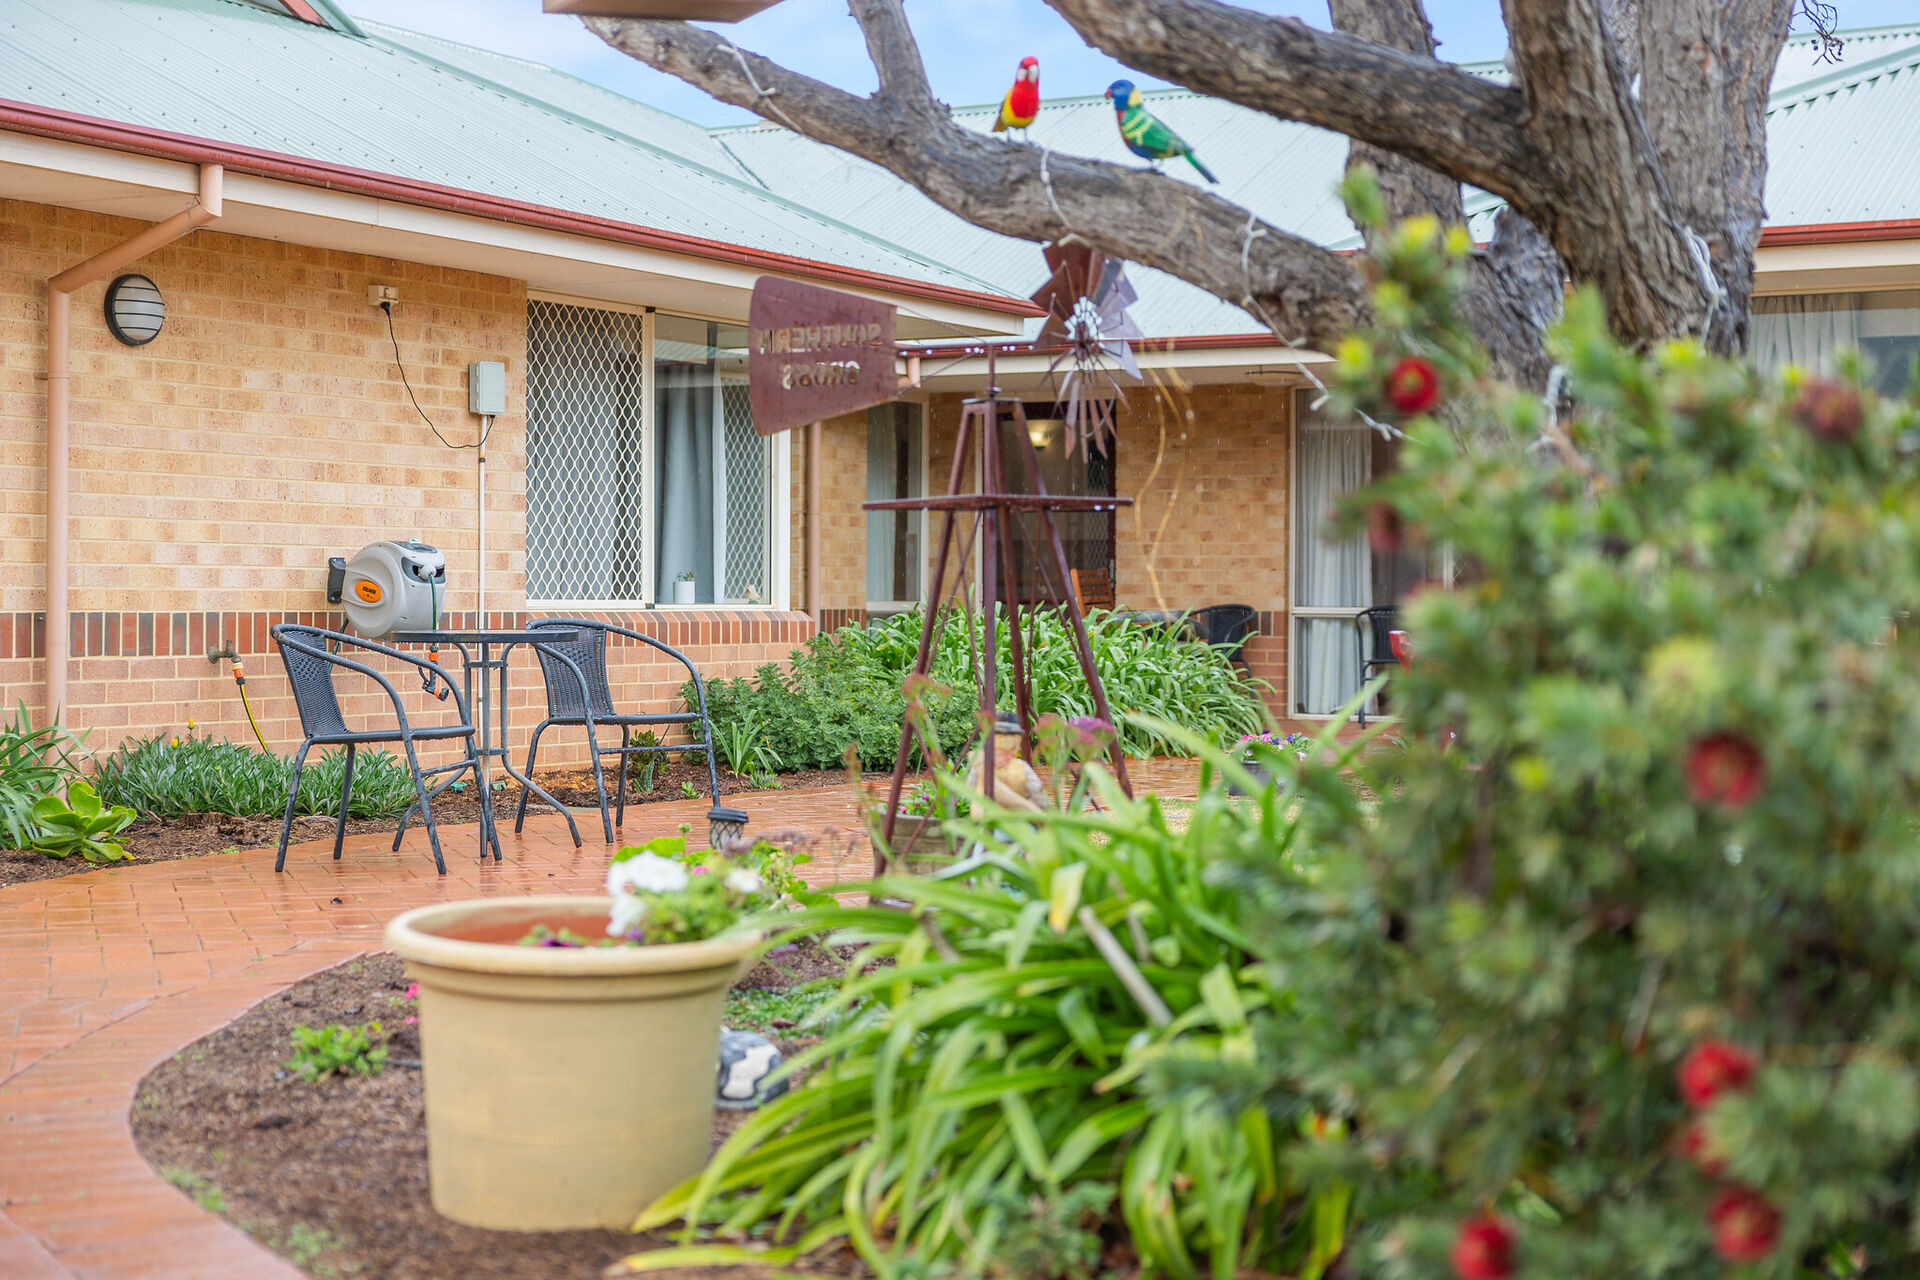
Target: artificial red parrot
[{"x": 1022, "y": 102}]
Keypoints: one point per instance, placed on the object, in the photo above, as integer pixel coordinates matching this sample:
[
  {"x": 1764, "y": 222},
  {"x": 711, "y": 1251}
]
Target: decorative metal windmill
[
  {"x": 991, "y": 515},
  {"x": 1086, "y": 296}
]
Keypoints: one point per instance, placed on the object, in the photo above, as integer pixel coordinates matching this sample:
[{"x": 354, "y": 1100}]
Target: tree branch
[
  {"x": 1435, "y": 115},
  {"x": 1304, "y": 293},
  {"x": 1517, "y": 280},
  {"x": 895, "y": 55}
]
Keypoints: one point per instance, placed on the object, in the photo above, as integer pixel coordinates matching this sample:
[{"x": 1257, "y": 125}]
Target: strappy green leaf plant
[{"x": 991, "y": 1059}]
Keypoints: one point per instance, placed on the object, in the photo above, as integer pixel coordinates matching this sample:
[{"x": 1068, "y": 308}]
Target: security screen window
[
  {"x": 586, "y": 374},
  {"x": 636, "y": 474}
]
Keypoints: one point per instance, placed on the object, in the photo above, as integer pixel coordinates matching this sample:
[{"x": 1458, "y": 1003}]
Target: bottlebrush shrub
[{"x": 1668, "y": 872}]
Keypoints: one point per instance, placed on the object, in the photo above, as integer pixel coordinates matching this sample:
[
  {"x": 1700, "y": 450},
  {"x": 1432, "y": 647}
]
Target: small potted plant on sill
[
  {"x": 1266, "y": 755},
  {"x": 569, "y": 1045},
  {"x": 683, "y": 588}
]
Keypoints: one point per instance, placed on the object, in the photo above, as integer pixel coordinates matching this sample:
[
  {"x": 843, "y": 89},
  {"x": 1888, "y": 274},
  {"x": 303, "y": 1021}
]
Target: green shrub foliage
[
  {"x": 844, "y": 688},
  {"x": 34, "y": 764},
  {"x": 1619, "y": 978},
  {"x": 169, "y": 778}
]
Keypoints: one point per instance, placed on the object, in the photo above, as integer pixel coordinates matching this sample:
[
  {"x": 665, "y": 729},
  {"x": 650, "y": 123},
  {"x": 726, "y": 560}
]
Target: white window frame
[
  {"x": 779, "y": 515},
  {"x": 920, "y": 401},
  {"x": 1293, "y": 551}
]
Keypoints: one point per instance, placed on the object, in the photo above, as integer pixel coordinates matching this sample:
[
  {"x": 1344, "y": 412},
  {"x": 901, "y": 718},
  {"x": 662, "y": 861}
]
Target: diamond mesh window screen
[
  {"x": 586, "y": 379},
  {"x": 748, "y": 497}
]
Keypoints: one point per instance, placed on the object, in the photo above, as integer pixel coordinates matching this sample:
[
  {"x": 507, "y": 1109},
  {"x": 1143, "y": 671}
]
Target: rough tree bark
[{"x": 1630, "y": 149}]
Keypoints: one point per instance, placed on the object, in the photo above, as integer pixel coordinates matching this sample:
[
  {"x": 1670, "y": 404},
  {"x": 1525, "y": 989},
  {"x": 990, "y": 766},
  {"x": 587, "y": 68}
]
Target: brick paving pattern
[{"x": 104, "y": 975}]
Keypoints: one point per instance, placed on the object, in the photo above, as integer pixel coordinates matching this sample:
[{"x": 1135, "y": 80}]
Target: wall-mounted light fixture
[
  {"x": 1040, "y": 430},
  {"x": 135, "y": 310}
]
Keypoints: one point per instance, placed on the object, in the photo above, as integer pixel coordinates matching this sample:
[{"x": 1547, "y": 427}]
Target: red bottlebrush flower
[
  {"x": 1745, "y": 1226},
  {"x": 1712, "y": 1068},
  {"x": 1483, "y": 1250},
  {"x": 1413, "y": 386},
  {"x": 1830, "y": 410},
  {"x": 1386, "y": 532},
  {"x": 1725, "y": 769},
  {"x": 1692, "y": 1146}
]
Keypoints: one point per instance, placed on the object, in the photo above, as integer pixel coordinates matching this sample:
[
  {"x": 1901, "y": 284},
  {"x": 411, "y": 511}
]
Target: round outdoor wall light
[{"x": 135, "y": 310}]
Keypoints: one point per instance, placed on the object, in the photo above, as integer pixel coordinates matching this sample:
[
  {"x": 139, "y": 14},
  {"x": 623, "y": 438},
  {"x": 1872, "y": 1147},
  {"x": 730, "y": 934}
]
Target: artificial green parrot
[{"x": 1143, "y": 132}]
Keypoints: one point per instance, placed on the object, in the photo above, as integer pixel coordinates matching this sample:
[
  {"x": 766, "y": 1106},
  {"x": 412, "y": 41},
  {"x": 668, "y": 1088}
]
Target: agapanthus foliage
[{"x": 1621, "y": 976}]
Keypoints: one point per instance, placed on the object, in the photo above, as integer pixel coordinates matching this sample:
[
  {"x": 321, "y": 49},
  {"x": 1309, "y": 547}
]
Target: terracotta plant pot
[
  {"x": 924, "y": 838},
  {"x": 566, "y": 1087}
]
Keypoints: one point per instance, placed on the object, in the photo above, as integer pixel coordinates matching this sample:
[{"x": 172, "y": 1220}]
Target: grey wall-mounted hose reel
[{"x": 390, "y": 586}]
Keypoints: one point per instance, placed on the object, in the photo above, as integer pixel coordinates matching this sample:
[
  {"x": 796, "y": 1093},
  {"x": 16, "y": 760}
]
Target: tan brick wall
[
  {"x": 267, "y": 428},
  {"x": 1209, "y": 470},
  {"x": 843, "y": 524}
]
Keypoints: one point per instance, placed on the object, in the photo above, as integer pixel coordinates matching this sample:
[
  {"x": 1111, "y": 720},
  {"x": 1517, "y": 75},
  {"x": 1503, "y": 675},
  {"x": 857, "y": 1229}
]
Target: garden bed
[
  {"x": 165, "y": 839},
  {"x": 333, "y": 1177}
]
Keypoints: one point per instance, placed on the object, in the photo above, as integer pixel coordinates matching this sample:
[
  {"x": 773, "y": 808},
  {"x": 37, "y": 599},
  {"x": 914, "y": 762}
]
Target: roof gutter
[
  {"x": 47, "y": 122},
  {"x": 1840, "y": 233},
  {"x": 60, "y": 290}
]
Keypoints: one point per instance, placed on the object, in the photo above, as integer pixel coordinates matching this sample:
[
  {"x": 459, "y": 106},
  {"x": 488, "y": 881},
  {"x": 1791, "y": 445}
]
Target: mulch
[
  {"x": 333, "y": 1176},
  {"x": 153, "y": 839}
]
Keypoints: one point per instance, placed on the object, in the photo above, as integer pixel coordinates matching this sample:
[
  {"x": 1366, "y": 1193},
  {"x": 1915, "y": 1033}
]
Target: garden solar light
[{"x": 135, "y": 310}]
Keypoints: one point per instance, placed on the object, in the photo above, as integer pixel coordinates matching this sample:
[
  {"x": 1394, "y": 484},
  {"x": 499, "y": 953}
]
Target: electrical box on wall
[{"x": 487, "y": 387}]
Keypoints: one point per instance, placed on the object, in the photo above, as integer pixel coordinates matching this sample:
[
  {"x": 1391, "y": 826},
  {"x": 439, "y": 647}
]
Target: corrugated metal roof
[
  {"x": 1845, "y": 147},
  {"x": 229, "y": 72},
  {"x": 1833, "y": 158},
  {"x": 557, "y": 91}
]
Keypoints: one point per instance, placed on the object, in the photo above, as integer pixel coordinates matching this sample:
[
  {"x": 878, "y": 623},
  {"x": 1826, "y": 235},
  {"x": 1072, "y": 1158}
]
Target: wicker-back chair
[
  {"x": 579, "y": 693},
  {"x": 312, "y": 656}
]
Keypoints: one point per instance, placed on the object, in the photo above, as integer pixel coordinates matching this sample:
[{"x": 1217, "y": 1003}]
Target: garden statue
[{"x": 1015, "y": 784}]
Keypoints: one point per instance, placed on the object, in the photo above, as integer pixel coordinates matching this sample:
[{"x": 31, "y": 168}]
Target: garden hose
[
  {"x": 240, "y": 682},
  {"x": 439, "y": 689}
]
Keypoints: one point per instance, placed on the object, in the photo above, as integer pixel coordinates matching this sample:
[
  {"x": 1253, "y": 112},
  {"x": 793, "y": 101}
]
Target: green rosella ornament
[{"x": 1143, "y": 132}]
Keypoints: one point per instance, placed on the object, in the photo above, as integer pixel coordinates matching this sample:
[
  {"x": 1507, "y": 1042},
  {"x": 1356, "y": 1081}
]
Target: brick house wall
[
  {"x": 1209, "y": 469},
  {"x": 215, "y": 470}
]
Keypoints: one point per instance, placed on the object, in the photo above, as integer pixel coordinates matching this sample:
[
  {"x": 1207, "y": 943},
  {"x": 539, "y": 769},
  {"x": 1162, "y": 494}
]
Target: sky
[{"x": 971, "y": 46}]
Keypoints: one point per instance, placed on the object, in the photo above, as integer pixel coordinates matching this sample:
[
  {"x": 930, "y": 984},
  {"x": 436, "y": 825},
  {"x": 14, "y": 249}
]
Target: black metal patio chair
[
  {"x": 578, "y": 693},
  {"x": 1373, "y": 632},
  {"x": 1227, "y": 626},
  {"x": 312, "y": 656}
]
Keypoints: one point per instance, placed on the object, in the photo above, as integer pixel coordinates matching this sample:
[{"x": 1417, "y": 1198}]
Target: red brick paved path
[{"x": 104, "y": 975}]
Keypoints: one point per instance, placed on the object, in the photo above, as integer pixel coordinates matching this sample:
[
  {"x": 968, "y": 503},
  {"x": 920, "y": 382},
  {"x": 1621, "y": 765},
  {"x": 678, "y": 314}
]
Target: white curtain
[
  {"x": 1334, "y": 571},
  {"x": 1804, "y": 330},
  {"x": 683, "y": 437}
]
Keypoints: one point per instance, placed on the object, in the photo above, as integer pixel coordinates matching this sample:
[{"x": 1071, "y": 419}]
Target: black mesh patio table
[{"x": 486, "y": 651}]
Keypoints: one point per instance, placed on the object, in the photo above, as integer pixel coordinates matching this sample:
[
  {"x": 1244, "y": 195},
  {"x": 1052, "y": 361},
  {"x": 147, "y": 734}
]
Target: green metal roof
[{"x": 233, "y": 73}]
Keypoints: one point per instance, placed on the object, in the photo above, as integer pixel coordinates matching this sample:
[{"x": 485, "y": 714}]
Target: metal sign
[{"x": 815, "y": 353}]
